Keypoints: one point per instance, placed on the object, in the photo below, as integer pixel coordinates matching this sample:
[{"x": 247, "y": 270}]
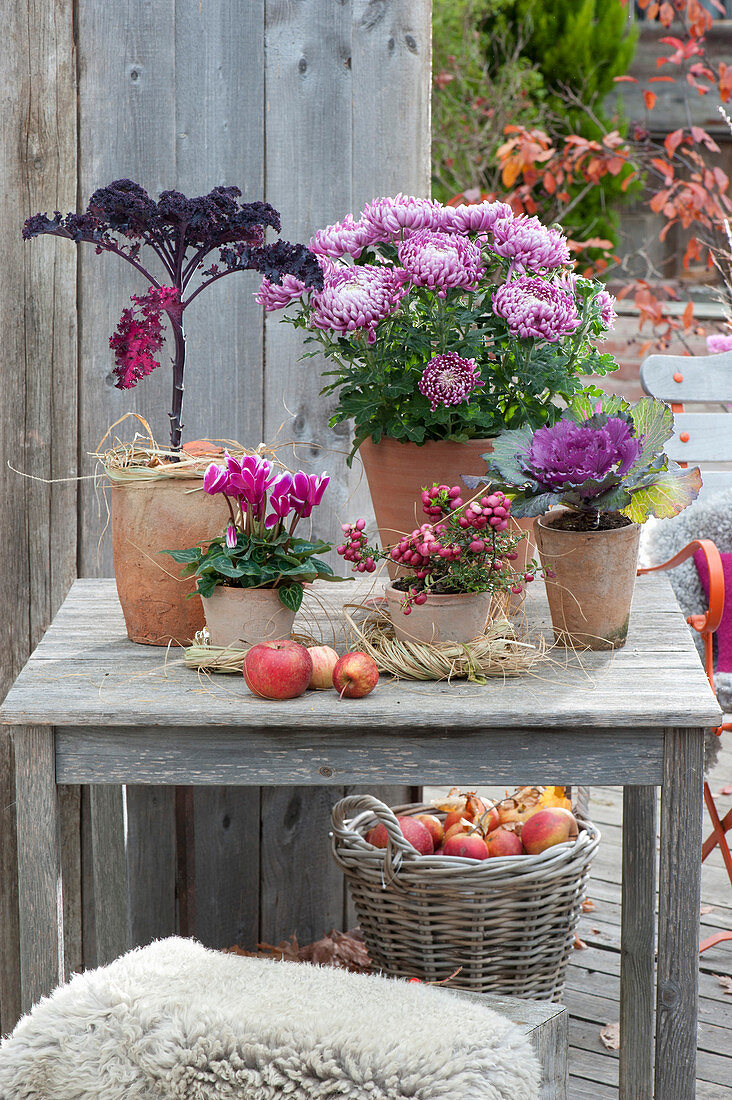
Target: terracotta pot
[
  {"x": 458, "y": 618},
  {"x": 397, "y": 472},
  {"x": 149, "y": 516},
  {"x": 243, "y": 617},
  {"x": 590, "y": 594}
]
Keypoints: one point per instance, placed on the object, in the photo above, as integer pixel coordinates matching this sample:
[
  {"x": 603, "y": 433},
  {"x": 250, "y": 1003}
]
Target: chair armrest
[{"x": 707, "y": 623}]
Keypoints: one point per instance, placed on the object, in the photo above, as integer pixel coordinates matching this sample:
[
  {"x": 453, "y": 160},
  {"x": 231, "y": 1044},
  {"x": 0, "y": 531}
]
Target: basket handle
[{"x": 354, "y": 805}]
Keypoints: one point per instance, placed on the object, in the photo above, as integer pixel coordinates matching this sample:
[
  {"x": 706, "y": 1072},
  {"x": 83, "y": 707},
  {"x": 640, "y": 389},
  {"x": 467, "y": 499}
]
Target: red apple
[
  {"x": 545, "y": 829},
  {"x": 412, "y": 830},
  {"x": 278, "y": 670},
  {"x": 457, "y": 829},
  {"x": 468, "y": 847},
  {"x": 355, "y": 675},
  {"x": 324, "y": 661},
  {"x": 433, "y": 825},
  {"x": 455, "y": 817},
  {"x": 503, "y": 843}
]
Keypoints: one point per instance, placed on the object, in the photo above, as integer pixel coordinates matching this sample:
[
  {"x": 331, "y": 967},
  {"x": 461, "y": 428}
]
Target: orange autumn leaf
[
  {"x": 687, "y": 317},
  {"x": 649, "y": 98}
]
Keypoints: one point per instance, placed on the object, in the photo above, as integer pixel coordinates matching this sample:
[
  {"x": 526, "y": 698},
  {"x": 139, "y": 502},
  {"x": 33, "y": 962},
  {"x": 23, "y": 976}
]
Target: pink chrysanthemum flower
[
  {"x": 606, "y": 302},
  {"x": 534, "y": 307},
  {"x": 719, "y": 341},
  {"x": 441, "y": 260},
  {"x": 344, "y": 238},
  {"x": 272, "y": 296},
  {"x": 476, "y": 217},
  {"x": 357, "y": 298},
  {"x": 449, "y": 380},
  {"x": 388, "y": 217},
  {"x": 529, "y": 245}
]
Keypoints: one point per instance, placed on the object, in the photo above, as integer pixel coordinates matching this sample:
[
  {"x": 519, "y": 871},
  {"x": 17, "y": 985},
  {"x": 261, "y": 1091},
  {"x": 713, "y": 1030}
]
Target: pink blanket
[{"x": 724, "y": 633}]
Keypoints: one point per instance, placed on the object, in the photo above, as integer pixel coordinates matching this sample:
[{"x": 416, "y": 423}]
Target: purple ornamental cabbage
[{"x": 570, "y": 454}]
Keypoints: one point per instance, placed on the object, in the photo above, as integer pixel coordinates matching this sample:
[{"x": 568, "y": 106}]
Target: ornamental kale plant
[
  {"x": 259, "y": 548},
  {"x": 463, "y": 548},
  {"x": 182, "y": 232},
  {"x": 606, "y": 457},
  {"x": 447, "y": 322}
]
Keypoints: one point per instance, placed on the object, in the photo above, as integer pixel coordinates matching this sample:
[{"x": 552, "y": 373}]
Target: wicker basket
[{"x": 507, "y": 923}]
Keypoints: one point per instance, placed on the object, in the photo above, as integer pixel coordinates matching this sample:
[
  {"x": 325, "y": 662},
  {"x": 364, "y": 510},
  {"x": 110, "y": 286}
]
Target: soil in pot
[{"x": 594, "y": 576}]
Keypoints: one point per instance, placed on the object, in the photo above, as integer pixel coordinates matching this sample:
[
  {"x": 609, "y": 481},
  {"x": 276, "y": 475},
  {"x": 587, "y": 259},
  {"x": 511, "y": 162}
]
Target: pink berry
[
  {"x": 516, "y": 588},
  {"x": 495, "y": 521},
  {"x": 407, "y": 610},
  {"x": 360, "y": 524},
  {"x": 476, "y": 546},
  {"x": 341, "y": 550},
  {"x": 454, "y": 492},
  {"x": 421, "y": 598},
  {"x": 528, "y": 577}
]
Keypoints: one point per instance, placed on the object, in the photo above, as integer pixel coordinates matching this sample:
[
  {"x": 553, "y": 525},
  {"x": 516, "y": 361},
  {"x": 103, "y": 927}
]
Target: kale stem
[{"x": 179, "y": 360}]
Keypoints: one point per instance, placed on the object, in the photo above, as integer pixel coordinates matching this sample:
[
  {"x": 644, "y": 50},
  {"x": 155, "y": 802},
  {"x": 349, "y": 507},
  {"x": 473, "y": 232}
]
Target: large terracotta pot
[
  {"x": 396, "y": 473},
  {"x": 243, "y": 617},
  {"x": 150, "y": 515},
  {"x": 457, "y": 618},
  {"x": 592, "y": 588}
]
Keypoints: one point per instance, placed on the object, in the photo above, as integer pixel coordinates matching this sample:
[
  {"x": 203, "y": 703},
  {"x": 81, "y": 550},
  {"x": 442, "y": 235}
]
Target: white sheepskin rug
[{"x": 175, "y": 1021}]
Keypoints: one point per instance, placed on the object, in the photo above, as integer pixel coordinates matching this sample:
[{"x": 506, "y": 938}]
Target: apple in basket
[
  {"x": 501, "y": 842},
  {"x": 546, "y": 828},
  {"x": 412, "y": 830},
  {"x": 278, "y": 669}
]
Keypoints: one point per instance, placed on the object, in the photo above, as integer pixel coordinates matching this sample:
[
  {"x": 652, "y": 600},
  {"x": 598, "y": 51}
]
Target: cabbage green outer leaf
[{"x": 666, "y": 496}]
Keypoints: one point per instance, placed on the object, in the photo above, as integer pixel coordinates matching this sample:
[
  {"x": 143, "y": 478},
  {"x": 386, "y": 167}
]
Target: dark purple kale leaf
[{"x": 275, "y": 260}]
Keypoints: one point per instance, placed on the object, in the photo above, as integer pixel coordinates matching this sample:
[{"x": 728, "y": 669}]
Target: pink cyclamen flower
[
  {"x": 449, "y": 380},
  {"x": 441, "y": 260},
  {"x": 231, "y": 536},
  {"x": 719, "y": 341},
  {"x": 536, "y": 308},
  {"x": 279, "y": 500},
  {"x": 357, "y": 298},
  {"x": 344, "y": 238},
  {"x": 215, "y": 479},
  {"x": 475, "y": 217},
  {"x": 249, "y": 478},
  {"x": 529, "y": 245},
  {"x": 307, "y": 491},
  {"x": 401, "y": 215}
]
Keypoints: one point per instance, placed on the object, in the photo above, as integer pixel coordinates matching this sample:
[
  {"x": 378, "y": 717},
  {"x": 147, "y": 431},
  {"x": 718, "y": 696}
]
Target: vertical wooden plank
[
  {"x": 308, "y": 179},
  {"x": 301, "y": 886},
  {"x": 70, "y": 813},
  {"x": 127, "y": 112},
  {"x": 219, "y": 130},
  {"x": 39, "y": 864},
  {"x": 637, "y": 949},
  {"x": 110, "y": 877},
  {"x": 227, "y": 866},
  {"x": 126, "y": 129},
  {"x": 88, "y": 915},
  {"x": 678, "y": 914},
  {"x": 220, "y": 140},
  {"x": 151, "y": 863},
  {"x": 38, "y": 408}
]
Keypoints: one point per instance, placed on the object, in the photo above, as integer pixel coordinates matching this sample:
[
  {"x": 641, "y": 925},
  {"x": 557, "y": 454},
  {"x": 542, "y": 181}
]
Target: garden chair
[{"x": 702, "y": 437}]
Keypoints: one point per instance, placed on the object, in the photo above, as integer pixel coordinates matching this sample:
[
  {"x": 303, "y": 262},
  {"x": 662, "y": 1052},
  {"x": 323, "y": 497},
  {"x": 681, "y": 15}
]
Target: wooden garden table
[{"x": 92, "y": 707}]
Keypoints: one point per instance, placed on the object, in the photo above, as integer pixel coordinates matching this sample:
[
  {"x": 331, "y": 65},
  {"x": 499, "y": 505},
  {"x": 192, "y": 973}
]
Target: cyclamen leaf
[
  {"x": 668, "y": 495},
  {"x": 184, "y": 556},
  {"x": 291, "y": 596}
]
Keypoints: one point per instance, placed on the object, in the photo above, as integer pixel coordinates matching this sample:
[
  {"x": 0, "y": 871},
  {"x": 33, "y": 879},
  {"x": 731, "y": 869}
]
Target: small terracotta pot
[
  {"x": 396, "y": 473},
  {"x": 243, "y": 617},
  {"x": 591, "y": 591},
  {"x": 458, "y": 618},
  {"x": 149, "y": 516}
]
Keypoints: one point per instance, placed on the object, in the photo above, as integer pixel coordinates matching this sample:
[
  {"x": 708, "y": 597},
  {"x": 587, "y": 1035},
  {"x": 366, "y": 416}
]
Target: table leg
[
  {"x": 637, "y": 942},
  {"x": 39, "y": 863},
  {"x": 678, "y": 914}
]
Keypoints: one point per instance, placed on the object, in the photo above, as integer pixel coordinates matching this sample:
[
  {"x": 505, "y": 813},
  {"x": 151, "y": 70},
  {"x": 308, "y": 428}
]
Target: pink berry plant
[
  {"x": 464, "y": 547},
  {"x": 446, "y": 322}
]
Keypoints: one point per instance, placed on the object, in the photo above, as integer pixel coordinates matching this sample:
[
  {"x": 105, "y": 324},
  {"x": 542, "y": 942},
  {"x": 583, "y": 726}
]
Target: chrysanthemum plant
[
  {"x": 599, "y": 457},
  {"x": 464, "y": 547},
  {"x": 259, "y": 548},
  {"x": 447, "y": 322},
  {"x": 181, "y": 232}
]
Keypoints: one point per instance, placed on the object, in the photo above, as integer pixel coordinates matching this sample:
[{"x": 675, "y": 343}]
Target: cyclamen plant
[
  {"x": 447, "y": 322},
  {"x": 606, "y": 457},
  {"x": 466, "y": 547},
  {"x": 182, "y": 232},
  {"x": 259, "y": 548}
]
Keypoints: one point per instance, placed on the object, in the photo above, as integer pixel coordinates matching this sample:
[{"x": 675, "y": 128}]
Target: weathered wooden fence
[{"x": 314, "y": 105}]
